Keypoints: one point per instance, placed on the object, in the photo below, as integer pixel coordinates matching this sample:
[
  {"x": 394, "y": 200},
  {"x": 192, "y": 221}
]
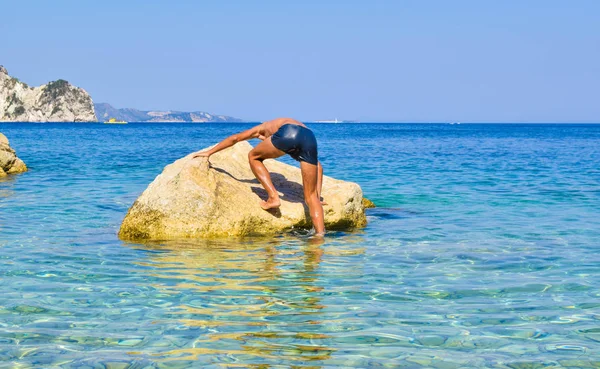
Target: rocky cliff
[
  {"x": 106, "y": 111},
  {"x": 57, "y": 101},
  {"x": 9, "y": 163},
  {"x": 192, "y": 199}
]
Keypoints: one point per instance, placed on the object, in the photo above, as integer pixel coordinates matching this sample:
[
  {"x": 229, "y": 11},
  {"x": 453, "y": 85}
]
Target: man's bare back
[{"x": 267, "y": 129}]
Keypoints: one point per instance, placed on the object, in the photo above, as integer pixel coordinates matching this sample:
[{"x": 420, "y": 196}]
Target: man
[{"x": 283, "y": 136}]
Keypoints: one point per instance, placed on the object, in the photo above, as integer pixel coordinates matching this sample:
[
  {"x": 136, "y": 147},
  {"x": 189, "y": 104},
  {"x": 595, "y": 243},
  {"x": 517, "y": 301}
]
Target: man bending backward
[{"x": 279, "y": 137}]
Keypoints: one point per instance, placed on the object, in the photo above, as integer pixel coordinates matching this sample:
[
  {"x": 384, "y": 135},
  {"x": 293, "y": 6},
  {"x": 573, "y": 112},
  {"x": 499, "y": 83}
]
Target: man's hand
[{"x": 201, "y": 154}]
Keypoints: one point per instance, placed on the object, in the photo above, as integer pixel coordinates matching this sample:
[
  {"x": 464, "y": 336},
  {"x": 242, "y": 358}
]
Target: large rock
[
  {"x": 9, "y": 163},
  {"x": 57, "y": 101},
  {"x": 192, "y": 199}
]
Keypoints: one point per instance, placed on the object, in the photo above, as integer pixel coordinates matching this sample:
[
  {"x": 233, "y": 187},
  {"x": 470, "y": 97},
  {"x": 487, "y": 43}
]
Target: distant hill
[
  {"x": 106, "y": 111},
  {"x": 56, "y": 101}
]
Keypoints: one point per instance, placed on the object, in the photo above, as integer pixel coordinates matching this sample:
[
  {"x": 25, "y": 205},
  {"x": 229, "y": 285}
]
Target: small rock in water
[
  {"x": 9, "y": 162},
  {"x": 368, "y": 204}
]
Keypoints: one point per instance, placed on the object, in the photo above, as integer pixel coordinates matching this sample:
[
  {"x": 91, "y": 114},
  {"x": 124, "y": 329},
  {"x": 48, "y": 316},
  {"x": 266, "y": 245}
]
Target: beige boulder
[
  {"x": 194, "y": 199},
  {"x": 9, "y": 163}
]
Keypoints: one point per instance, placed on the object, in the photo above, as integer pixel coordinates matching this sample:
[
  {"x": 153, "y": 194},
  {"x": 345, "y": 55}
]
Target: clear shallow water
[{"x": 483, "y": 253}]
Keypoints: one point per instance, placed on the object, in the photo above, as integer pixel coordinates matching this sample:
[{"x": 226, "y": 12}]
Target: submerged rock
[
  {"x": 57, "y": 101},
  {"x": 9, "y": 163},
  {"x": 368, "y": 204},
  {"x": 192, "y": 199}
]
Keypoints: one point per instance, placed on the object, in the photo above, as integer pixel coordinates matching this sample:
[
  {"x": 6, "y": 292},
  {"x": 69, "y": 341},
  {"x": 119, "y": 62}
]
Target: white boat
[{"x": 328, "y": 121}]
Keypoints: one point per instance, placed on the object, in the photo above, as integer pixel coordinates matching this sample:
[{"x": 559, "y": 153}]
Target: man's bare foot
[{"x": 270, "y": 204}]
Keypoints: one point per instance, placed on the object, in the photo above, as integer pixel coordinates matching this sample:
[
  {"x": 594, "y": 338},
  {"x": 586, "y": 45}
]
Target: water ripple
[{"x": 482, "y": 253}]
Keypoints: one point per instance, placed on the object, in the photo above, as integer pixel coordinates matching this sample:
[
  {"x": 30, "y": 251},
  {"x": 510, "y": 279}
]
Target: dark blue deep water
[{"x": 484, "y": 252}]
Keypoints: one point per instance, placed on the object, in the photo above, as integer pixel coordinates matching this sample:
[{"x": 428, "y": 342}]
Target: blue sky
[{"x": 370, "y": 60}]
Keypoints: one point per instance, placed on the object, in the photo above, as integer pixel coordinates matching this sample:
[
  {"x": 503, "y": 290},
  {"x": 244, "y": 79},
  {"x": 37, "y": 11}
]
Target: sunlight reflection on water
[{"x": 482, "y": 253}]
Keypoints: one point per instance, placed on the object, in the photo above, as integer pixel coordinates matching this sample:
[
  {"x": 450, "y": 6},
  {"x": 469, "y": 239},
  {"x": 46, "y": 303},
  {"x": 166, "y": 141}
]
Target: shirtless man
[{"x": 283, "y": 136}]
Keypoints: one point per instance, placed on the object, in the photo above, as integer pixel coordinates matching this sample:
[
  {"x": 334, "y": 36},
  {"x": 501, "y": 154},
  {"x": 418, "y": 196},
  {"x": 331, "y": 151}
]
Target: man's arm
[{"x": 253, "y": 132}]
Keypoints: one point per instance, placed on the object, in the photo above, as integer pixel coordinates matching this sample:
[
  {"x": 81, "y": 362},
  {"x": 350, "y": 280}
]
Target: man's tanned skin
[{"x": 312, "y": 175}]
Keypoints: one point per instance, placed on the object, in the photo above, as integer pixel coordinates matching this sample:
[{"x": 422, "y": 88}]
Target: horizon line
[{"x": 309, "y": 121}]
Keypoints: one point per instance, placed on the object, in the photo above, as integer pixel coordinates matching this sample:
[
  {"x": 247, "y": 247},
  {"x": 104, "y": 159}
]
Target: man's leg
[
  {"x": 309, "y": 181},
  {"x": 262, "y": 151}
]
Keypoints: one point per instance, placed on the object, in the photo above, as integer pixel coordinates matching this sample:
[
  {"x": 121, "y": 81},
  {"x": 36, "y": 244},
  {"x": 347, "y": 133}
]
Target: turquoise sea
[{"x": 484, "y": 252}]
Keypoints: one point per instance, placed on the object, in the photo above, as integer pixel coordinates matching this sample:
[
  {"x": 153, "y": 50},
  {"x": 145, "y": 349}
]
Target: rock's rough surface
[
  {"x": 57, "y": 101},
  {"x": 9, "y": 163},
  {"x": 191, "y": 199}
]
